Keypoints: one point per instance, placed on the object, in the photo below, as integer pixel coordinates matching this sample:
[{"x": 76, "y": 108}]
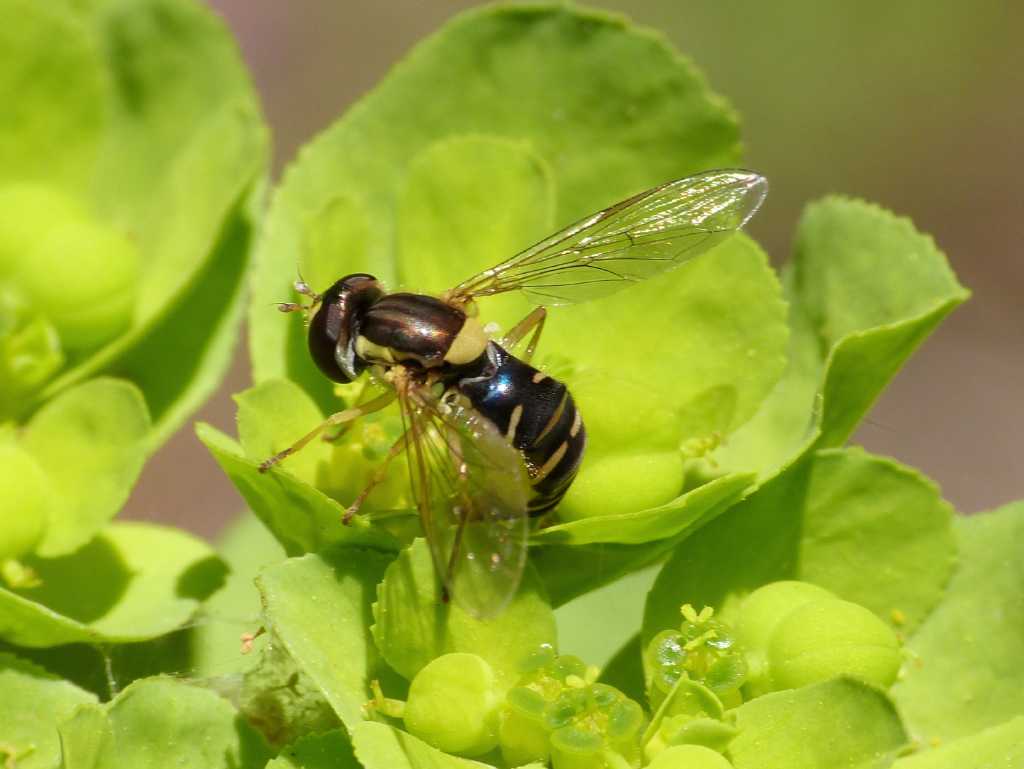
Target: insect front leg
[
  {"x": 339, "y": 418},
  {"x": 535, "y": 322}
]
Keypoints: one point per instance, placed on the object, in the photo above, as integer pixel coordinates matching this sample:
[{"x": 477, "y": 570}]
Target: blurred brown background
[{"x": 917, "y": 105}]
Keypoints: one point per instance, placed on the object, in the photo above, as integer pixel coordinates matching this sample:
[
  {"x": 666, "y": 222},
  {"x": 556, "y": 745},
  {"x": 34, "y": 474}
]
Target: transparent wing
[
  {"x": 471, "y": 488},
  {"x": 643, "y": 236}
]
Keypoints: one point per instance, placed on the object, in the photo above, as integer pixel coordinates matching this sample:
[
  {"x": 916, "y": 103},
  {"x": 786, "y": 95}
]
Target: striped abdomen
[{"x": 539, "y": 418}]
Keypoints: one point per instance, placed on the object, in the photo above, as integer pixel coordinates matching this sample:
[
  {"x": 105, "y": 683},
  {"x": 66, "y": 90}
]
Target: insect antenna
[{"x": 303, "y": 288}]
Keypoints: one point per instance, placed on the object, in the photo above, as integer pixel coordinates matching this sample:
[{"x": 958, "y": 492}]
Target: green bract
[
  {"x": 127, "y": 164},
  {"x": 716, "y": 473},
  {"x": 492, "y": 162}
]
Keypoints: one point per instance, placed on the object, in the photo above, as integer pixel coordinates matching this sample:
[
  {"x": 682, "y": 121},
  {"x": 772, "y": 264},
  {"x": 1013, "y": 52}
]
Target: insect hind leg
[
  {"x": 378, "y": 476},
  {"x": 533, "y": 322}
]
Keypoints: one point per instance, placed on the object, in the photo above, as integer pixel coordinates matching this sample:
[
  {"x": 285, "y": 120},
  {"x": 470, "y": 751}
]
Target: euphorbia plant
[{"x": 794, "y": 576}]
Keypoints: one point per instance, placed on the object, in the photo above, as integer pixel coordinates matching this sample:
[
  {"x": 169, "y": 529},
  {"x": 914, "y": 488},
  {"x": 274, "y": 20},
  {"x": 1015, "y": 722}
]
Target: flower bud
[
  {"x": 760, "y": 614},
  {"x": 453, "y": 705},
  {"x": 689, "y": 757},
  {"x": 825, "y": 639},
  {"x": 28, "y": 210},
  {"x": 83, "y": 276},
  {"x": 24, "y": 488}
]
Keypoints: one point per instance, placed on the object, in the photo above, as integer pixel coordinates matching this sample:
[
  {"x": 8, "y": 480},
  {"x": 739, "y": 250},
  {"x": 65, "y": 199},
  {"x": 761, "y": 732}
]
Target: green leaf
[
  {"x": 302, "y": 518},
  {"x": 581, "y": 134},
  {"x": 90, "y": 444},
  {"x": 441, "y": 240},
  {"x": 597, "y": 624},
  {"x": 84, "y": 737},
  {"x": 839, "y": 724},
  {"x": 682, "y": 515},
  {"x": 144, "y": 580},
  {"x": 321, "y": 751},
  {"x": 34, "y": 702},
  {"x": 214, "y": 645},
  {"x": 173, "y": 66},
  {"x": 865, "y": 290},
  {"x": 568, "y": 571},
  {"x": 279, "y": 699},
  {"x": 273, "y": 415},
  {"x": 190, "y": 295},
  {"x": 173, "y": 167},
  {"x": 319, "y": 607},
  {"x": 870, "y": 530},
  {"x": 725, "y": 318},
  {"x": 413, "y": 625},
  {"x": 53, "y": 88},
  {"x": 992, "y": 748},
  {"x": 964, "y": 672},
  {"x": 201, "y": 322},
  {"x": 379, "y": 746},
  {"x": 195, "y": 725}
]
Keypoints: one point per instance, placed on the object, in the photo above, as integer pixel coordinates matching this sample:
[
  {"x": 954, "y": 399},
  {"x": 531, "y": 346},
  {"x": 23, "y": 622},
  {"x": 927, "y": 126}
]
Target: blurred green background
[{"x": 915, "y": 105}]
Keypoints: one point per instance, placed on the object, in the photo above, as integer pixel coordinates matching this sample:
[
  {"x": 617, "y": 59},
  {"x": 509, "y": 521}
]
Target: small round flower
[{"x": 703, "y": 649}]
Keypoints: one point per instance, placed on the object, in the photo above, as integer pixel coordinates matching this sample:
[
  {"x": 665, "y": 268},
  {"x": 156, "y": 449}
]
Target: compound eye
[{"x": 326, "y": 328}]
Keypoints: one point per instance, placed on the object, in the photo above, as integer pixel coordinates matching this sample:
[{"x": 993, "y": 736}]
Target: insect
[{"x": 490, "y": 440}]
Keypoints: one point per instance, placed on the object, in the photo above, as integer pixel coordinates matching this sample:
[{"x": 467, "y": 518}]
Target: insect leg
[
  {"x": 535, "y": 322},
  {"x": 376, "y": 479},
  {"x": 339, "y": 418}
]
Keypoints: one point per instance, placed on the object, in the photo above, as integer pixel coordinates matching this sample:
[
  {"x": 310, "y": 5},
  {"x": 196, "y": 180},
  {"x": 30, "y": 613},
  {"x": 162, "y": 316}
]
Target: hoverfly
[{"x": 490, "y": 440}]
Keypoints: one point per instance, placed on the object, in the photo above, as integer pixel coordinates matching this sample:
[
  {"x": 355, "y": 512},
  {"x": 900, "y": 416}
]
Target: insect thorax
[{"x": 404, "y": 328}]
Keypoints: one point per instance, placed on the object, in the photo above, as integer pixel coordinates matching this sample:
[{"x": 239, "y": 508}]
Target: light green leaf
[
  {"x": 90, "y": 443},
  {"x": 596, "y": 625},
  {"x": 84, "y": 737},
  {"x": 471, "y": 202},
  {"x": 173, "y": 66},
  {"x": 190, "y": 294},
  {"x": 725, "y": 318},
  {"x": 320, "y": 751},
  {"x": 275, "y": 414},
  {"x": 839, "y": 724},
  {"x": 32, "y": 704},
  {"x": 870, "y": 530},
  {"x": 964, "y": 672},
  {"x": 568, "y": 571},
  {"x": 682, "y": 515},
  {"x": 383, "y": 747},
  {"x": 865, "y": 290},
  {"x": 453, "y": 84},
  {"x": 144, "y": 580},
  {"x": 302, "y": 518},
  {"x": 214, "y": 644},
  {"x": 413, "y": 625},
  {"x": 190, "y": 725},
  {"x": 997, "y": 747},
  {"x": 53, "y": 89},
  {"x": 319, "y": 607},
  {"x": 179, "y": 157}
]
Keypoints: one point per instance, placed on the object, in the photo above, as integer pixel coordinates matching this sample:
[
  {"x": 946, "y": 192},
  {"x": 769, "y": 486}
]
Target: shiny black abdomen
[{"x": 537, "y": 415}]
